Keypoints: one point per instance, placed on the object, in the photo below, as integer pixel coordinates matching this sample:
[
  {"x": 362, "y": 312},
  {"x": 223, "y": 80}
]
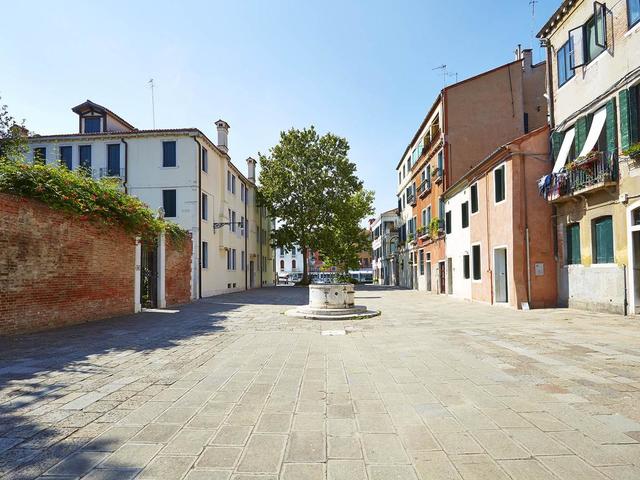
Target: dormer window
[{"x": 92, "y": 124}]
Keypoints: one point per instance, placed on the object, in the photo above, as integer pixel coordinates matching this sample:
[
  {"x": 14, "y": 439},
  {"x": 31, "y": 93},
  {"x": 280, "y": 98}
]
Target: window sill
[
  {"x": 165, "y": 168},
  {"x": 594, "y": 61},
  {"x": 500, "y": 202},
  {"x": 635, "y": 28},
  {"x": 604, "y": 265}
]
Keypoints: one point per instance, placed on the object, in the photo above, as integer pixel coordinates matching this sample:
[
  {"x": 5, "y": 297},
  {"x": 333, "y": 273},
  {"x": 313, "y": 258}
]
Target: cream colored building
[
  {"x": 593, "y": 82},
  {"x": 190, "y": 178}
]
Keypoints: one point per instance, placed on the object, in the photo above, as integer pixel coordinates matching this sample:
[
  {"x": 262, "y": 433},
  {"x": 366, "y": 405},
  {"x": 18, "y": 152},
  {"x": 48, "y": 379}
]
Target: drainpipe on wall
[
  {"x": 626, "y": 303},
  {"x": 550, "y": 85},
  {"x": 261, "y": 240},
  {"x": 126, "y": 165},
  {"x": 199, "y": 167},
  {"x": 245, "y": 229}
]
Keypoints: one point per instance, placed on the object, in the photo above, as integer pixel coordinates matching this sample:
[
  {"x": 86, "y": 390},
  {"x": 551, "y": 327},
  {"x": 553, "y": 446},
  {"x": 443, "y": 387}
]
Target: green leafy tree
[
  {"x": 306, "y": 181},
  {"x": 13, "y": 141},
  {"x": 342, "y": 244}
]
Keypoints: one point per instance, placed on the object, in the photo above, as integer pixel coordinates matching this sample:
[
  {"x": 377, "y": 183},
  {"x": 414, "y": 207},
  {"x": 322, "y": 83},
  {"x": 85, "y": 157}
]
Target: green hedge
[{"x": 76, "y": 192}]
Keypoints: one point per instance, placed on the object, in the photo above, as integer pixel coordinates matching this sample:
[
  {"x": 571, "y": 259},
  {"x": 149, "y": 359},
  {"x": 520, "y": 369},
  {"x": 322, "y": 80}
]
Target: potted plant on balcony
[
  {"x": 434, "y": 227},
  {"x": 411, "y": 237},
  {"x": 633, "y": 151}
]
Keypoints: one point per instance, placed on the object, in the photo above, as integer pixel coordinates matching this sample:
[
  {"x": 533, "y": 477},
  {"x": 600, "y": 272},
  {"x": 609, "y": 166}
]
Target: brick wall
[
  {"x": 56, "y": 269},
  {"x": 178, "y": 272}
]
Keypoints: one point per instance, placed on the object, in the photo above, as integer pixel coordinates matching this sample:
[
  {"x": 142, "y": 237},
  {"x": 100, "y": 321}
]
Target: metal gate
[{"x": 149, "y": 275}]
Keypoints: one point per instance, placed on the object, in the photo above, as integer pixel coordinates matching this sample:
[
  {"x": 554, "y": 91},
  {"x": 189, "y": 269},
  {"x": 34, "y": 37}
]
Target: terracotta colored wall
[
  {"x": 178, "y": 272},
  {"x": 56, "y": 269},
  {"x": 488, "y": 112},
  {"x": 503, "y": 224}
]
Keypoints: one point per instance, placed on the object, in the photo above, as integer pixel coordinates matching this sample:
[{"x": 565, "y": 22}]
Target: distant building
[
  {"x": 186, "y": 175},
  {"x": 289, "y": 264},
  {"x": 384, "y": 242},
  {"x": 593, "y": 52}
]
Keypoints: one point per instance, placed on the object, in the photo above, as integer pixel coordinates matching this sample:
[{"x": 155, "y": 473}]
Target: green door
[
  {"x": 603, "y": 235},
  {"x": 573, "y": 244}
]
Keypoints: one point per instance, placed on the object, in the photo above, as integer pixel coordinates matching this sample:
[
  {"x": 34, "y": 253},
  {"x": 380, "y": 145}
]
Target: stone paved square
[{"x": 229, "y": 388}]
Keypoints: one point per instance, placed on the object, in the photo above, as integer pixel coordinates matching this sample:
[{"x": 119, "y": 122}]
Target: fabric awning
[
  {"x": 564, "y": 150},
  {"x": 599, "y": 119}
]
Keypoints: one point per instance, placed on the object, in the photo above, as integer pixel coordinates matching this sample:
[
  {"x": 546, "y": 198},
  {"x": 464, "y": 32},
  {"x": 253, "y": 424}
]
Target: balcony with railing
[
  {"x": 436, "y": 173},
  {"x": 432, "y": 137},
  {"x": 424, "y": 189},
  {"x": 596, "y": 171},
  {"x": 411, "y": 199}
]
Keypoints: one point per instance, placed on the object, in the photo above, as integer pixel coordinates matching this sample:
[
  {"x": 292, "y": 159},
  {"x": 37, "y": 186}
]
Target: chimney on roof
[
  {"x": 251, "y": 169},
  {"x": 518, "y": 52},
  {"x": 223, "y": 135}
]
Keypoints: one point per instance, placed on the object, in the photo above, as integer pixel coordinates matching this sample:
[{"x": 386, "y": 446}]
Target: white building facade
[
  {"x": 384, "y": 244},
  {"x": 183, "y": 174},
  {"x": 289, "y": 264}
]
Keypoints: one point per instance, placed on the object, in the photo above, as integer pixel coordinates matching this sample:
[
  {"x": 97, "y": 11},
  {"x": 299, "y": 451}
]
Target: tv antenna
[
  {"x": 533, "y": 21},
  {"x": 442, "y": 67},
  {"x": 454, "y": 74},
  {"x": 153, "y": 103}
]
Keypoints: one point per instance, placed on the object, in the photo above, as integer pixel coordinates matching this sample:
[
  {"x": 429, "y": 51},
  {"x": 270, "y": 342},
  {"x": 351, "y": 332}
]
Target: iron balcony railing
[
  {"x": 424, "y": 188},
  {"x": 411, "y": 199},
  {"x": 580, "y": 176}
]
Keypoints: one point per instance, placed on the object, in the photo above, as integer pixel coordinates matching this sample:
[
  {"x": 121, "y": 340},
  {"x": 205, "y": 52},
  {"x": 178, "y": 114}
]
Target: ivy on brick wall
[{"x": 95, "y": 200}]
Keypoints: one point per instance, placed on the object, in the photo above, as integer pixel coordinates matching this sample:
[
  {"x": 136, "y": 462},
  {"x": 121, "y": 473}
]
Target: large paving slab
[{"x": 230, "y": 388}]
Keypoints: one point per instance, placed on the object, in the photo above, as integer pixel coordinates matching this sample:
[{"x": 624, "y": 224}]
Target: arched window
[
  {"x": 293, "y": 264},
  {"x": 281, "y": 264}
]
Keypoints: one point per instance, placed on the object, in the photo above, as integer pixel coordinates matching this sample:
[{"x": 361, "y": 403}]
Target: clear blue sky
[{"x": 360, "y": 69}]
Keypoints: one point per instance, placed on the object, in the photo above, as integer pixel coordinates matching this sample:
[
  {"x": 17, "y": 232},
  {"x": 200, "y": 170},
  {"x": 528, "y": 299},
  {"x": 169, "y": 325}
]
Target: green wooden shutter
[
  {"x": 581, "y": 133},
  {"x": 556, "y": 143},
  {"x": 610, "y": 125},
  {"x": 633, "y": 115},
  {"x": 604, "y": 240},
  {"x": 625, "y": 120},
  {"x": 573, "y": 244}
]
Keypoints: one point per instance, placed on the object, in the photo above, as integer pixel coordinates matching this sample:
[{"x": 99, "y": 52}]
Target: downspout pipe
[
  {"x": 199, "y": 167},
  {"x": 261, "y": 242},
  {"x": 126, "y": 165},
  {"x": 245, "y": 229}
]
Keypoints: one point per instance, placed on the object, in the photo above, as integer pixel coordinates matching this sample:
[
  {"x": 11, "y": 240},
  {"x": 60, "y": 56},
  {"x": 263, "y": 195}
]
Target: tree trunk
[{"x": 305, "y": 266}]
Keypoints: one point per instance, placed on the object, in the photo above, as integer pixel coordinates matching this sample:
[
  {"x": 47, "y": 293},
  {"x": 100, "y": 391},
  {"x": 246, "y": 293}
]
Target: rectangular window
[
  {"x": 66, "y": 155},
  {"x": 205, "y": 255},
  {"x": 421, "y": 261},
  {"x": 243, "y": 260},
  {"x": 633, "y": 9},
  {"x": 233, "y": 184},
  {"x": 169, "y": 154},
  {"x": 229, "y": 218},
  {"x": 92, "y": 124},
  {"x": 474, "y": 198},
  {"x": 424, "y": 217},
  {"x": 447, "y": 222},
  {"x": 113, "y": 160},
  {"x": 573, "y": 244},
  {"x": 233, "y": 259},
  {"x": 204, "y": 206},
  {"x": 475, "y": 252},
  {"x": 440, "y": 163},
  {"x": 592, "y": 49},
  {"x": 205, "y": 160},
  {"x": 499, "y": 184},
  {"x": 228, "y": 181},
  {"x": 243, "y": 192},
  {"x": 233, "y": 221},
  {"x": 85, "y": 156},
  {"x": 465, "y": 266},
  {"x": 40, "y": 155},
  {"x": 169, "y": 203},
  {"x": 565, "y": 63},
  {"x": 465, "y": 214},
  {"x": 428, "y": 216},
  {"x": 246, "y": 227},
  {"x": 228, "y": 259},
  {"x": 441, "y": 209},
  {"x": 242, "y": 226},
  {"x": 603, "y": 240}
]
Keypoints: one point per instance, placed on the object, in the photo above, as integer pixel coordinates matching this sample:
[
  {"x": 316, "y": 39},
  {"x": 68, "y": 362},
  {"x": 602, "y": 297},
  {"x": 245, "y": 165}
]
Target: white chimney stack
[
  {"x": 223, "y": 135},
  {"x": 251, "y": 169}
]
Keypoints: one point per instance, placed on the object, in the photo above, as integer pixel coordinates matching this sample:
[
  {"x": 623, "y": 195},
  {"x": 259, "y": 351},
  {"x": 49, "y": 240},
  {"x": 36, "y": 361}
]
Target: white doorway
[{"x": 500, "y": 279}]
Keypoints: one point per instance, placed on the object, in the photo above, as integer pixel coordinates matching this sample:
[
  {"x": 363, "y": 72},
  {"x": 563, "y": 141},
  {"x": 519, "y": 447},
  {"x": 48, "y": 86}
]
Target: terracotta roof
[
  {"x": 89, "y": 105},
  {"x": 562, "y": 11}
]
